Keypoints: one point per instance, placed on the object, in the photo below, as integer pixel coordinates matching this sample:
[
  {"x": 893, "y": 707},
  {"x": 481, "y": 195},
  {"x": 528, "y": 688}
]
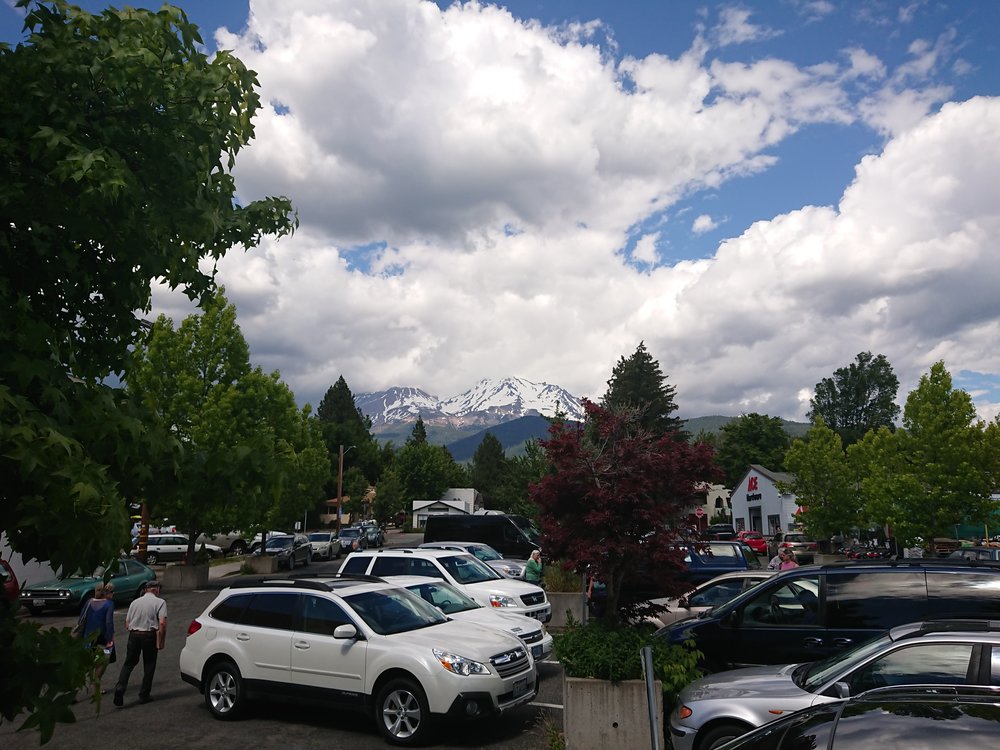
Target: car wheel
[
  {"x": 402, "y": 713},
  {"x": 224, "y": 691},
  {"x": 152, "y": 558},
  {"x": 720, "y": 734},
  {"x": 238, "y": 548}
]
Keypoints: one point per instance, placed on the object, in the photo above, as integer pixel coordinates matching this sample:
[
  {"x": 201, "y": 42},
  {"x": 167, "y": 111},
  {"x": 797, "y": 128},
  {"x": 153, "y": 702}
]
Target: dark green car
[{"x": 71, "y": 592}]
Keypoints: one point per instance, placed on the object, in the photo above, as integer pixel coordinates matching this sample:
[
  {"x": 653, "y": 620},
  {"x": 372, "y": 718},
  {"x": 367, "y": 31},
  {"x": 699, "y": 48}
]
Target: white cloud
[
  {"x": 464, "y": 180},
  {"x": 734, "y": 27},
  {"x": 702, "y": 224}
]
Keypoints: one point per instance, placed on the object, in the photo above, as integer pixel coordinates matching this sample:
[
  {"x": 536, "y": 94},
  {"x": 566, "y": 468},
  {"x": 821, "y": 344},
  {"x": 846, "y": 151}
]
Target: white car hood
[
  {"x": 466, "y": 639},
  {"x": 507, "y": 587},
  {"x": 773, "y": 681},
  {"x": 517, "y": 625}
]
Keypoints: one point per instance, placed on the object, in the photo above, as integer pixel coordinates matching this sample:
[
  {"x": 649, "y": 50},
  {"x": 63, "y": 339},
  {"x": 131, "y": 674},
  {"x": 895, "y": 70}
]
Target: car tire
[
  {"x": 152, "y": 558},
  {"x": 720, "y": 734},
  {"x": 224, "y": 695},
  {"x": 402, "y": 713},
  {"x": 238, "y": 548}
]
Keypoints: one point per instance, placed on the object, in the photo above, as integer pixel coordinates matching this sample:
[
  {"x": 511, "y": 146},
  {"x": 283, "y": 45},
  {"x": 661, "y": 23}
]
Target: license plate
[
  {"x": 520, "y": 687},
  {"x": 536, "y": 651}
]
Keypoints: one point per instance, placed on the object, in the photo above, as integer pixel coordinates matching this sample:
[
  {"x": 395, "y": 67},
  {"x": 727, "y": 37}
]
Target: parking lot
[{"x": 178, "y": 718}]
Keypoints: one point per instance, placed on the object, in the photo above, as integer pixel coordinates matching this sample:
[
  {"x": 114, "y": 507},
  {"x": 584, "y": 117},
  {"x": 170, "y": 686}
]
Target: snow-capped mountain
[{"x": 491, "y": 401}]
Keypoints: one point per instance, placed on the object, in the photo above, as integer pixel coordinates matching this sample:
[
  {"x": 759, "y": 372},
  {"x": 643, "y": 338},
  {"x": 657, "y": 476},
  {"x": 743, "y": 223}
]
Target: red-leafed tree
[{"x": 610, "y": 503}]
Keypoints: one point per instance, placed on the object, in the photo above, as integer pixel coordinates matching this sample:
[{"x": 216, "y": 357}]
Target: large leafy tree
[
  {"x": 488, "y": 469},
  {"x": 613, "y": 495},
  {"x": 426, "y": 471},
  {"x": 752, "y": 439},
  {"x": 513, "y": 494},
  {"x": 249, "y": 455},
  {"x": 115, "y": 160},
  {"x": 638, "y": 383},
  {"x": 825, "y": 485},
  {"x": 937, "y": 471},
  {"x": 858, "y": 398}
]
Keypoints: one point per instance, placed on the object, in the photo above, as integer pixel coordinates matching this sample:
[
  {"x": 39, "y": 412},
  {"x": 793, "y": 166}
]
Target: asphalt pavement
[{"x": 177, "y": 716}]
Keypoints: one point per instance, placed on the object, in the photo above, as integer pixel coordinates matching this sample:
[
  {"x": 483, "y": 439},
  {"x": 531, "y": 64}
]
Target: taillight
[
  {"x": 194, "y": 627},
  {"x": 684, "y": 712}
]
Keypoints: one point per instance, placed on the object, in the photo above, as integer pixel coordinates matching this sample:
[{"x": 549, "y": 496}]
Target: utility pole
[{"x": 340, "y": 485}]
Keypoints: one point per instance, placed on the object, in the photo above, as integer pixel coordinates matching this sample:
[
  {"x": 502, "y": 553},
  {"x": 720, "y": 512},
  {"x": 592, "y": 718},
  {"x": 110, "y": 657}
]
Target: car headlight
[
  {"x": 499, "y": 600},
  {"x": 459, "y": 664}
]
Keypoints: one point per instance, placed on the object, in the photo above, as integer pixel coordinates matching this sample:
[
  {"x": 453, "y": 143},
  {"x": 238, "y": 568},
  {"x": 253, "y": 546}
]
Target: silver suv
[
  {"x": 460, "y": 569},
  {"x": 363, "y": 644}
]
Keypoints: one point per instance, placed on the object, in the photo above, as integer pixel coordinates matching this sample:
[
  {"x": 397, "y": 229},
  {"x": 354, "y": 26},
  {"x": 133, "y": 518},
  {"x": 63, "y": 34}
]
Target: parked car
[
  {"x": 805, "y": 549},
  {"x": 976, "y": 553},
  {"x": 713, "y": 593},
  {"x": 172, "y": 547},
  {"x": 460, "y": 569},
  {"x": 510, "y": 535},
  {"x": 376, "y": 537},
  {"x": 70, "y": 592},
  {"x": 325, "y": 544},
  {"x": 484, "y": 552},
  {"x": 364, "y": 645},
  {"x": 812, "y": 612},
  {"x": 290, "y": 549},
  {"x": 352, "y": 539},
  {"x": 459, "y": 606},
  {"x": 720, "y": 532},
  {"x": 917, "y": 718},
  {"x": 9, "y": 589},
  {"x": 706, "y": 560},
  {"x": 754, "y": 540},
  {"x": 259, "y": 538},
  {"x": 715, "y": 709},
  {"x": 231, "y": 543}
]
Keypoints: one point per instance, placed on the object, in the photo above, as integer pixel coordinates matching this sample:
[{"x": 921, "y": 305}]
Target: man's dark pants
[{"x": 143, "y": 644}]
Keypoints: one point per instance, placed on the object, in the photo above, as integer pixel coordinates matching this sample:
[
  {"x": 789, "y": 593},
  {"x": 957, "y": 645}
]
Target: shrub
[
  {"x": 612, "y": 652},
  {"x": 559, "y": 579}
]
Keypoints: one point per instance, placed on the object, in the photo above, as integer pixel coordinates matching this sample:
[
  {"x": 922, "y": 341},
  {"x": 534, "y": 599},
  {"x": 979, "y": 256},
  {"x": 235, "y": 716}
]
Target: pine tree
[
  {"x": 489, "y": 466},
  {"x": 638, "y": 383},
  {"x": 419, "y": 433}
]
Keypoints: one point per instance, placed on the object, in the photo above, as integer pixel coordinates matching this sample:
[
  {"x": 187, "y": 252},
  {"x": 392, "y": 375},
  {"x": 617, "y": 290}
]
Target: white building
[
  {"x": 759, "y": 505},
  {"x": 455, "y": 501}
]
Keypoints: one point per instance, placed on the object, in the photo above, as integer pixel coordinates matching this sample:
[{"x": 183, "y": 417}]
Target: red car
[
  {"x": 754, "y": 540},
  {"x": 9, "y": 590}
]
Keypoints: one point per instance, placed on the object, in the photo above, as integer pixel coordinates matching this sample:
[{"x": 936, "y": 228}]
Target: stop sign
[{"x": 699, "y": 512}]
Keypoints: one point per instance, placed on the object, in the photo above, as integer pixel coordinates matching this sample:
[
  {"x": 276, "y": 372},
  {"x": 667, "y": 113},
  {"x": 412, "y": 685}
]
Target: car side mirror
[
  {"x": 683, "y": 602},
  {"x": 842, "y": 689},
  {"x": 345, "y": 631}
]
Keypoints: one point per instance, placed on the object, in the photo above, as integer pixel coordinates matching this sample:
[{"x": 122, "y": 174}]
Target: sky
[{"x": 758, "y": 191}]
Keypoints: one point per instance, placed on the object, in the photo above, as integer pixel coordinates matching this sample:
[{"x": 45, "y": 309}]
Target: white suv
[
  {"x": 461, "y": 570},
  {"x": 457, "y": 605},
  {"x": 358, "y": 643}
]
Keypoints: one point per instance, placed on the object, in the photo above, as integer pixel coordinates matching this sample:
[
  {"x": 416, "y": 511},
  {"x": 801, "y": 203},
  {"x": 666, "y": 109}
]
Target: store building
[
  {"x": 455, "y": 500},
  {"x": 759, "y": 505}
]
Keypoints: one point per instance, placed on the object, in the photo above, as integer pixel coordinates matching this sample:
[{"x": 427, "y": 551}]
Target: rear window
[
  {"x": 356, "y": 565},
  {"x": 231, "y": 609},
  {"x": 875, "y": 600}
]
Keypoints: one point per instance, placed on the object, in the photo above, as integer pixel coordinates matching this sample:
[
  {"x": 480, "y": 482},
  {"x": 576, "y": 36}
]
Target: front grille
[
  {"x": 532, "y": 637},
  {"x": 533, "y": 599},
  {"x": 510, "y": 662}
]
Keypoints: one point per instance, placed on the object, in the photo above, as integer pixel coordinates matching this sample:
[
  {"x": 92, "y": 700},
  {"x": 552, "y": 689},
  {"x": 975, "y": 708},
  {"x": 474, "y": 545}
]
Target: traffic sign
[{"x": 699, "y": 512}]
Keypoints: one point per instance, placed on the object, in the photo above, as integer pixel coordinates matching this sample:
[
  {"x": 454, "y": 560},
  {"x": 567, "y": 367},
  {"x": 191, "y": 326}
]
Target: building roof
[{"x": 775, "y": 476}]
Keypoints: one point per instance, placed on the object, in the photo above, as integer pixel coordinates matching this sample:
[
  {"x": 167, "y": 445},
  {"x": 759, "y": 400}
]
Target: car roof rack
[
  {"x": 298, "y": 583},
  {"x": 929, "y": 562},
  {"x": 991, "y": 692}
]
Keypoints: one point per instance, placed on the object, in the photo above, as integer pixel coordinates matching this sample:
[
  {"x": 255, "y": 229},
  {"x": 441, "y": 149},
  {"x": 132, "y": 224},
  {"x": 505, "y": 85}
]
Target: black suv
[
  {"x": 812, "y": 612},
  {"x": 932, "y": 716}
]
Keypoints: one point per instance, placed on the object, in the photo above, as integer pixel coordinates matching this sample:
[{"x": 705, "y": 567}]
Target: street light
[{"x": 340, "y": 484}]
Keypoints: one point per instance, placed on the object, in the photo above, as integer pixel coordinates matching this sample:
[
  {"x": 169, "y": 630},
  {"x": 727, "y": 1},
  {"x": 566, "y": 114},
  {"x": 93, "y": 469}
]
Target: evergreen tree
[
  {"x": 489, "y": 466},
  {"x": 752, "y": 439},
  {"x": 344, "y": 424},
  {"x": 638, "y": 383},
  {"x": 858, "y": 398},
  {"x": 419, "y": 432}
]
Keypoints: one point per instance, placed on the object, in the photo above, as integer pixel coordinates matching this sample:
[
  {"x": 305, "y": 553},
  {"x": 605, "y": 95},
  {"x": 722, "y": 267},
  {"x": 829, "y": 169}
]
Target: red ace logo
[{"x": 752, "y": 484}]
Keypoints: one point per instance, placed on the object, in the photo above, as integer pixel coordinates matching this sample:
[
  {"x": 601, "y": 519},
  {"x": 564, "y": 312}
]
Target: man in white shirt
[{"x": 146, "y": 623}]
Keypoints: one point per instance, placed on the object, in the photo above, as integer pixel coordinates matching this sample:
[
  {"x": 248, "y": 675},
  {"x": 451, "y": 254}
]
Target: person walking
[
  {"x": 146, "y": 623},
  {"x": 533, "y": 569},
  {"x": 787, "y": 560},
  {"x": 98, "y": 618}
]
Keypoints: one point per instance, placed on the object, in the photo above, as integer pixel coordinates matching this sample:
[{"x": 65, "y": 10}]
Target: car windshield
[
  {"x": 279, "y": 542},
  {"x": 390, "y": 611},
  {"x": 816, "y": 674},
  {"x": 350, "y": 533},
  {"x": 320, "y": 537},
  {"x": 485, "y": 553},
  {"x": 467, "y": 569},
  {"x": 444, "y": 596}
]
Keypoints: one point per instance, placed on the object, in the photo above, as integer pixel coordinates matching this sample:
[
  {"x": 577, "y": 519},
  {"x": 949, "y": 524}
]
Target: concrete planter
[
  {"x": 605, "y": 715},
  {"x": 565, "y": 604},
  {"x": 182, "y": 577},
  {"x": 263, "y": 563}
]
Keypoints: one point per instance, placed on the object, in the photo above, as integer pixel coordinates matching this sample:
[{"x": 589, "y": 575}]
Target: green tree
[
  {"x": 936, "y": 471},
  {"x": 419, "y": 433},
  {"x": 638, "y": 383},
  {"x": 858, "y": 398},
  {"x": 426, "y": 471},
  {"x": 513, "y": 495},
  {"x": 115, "y": 161},
  {"x": 751, "y": 439},
  {"x": 825, "y": 485},
  {"x": 488, "y": 469},
  {"x": 344, "y": 424},
  {"x": 390, "y": 497},
  {"x": 355, "y": 487}
]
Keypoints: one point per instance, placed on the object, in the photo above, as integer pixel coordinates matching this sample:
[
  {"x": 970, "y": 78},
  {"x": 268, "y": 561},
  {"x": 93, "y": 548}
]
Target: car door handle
[
  {"x": 301, "y": 645},
  {"x": 812, "y": 641},
  {"x": 243, "y": 636},
  {"x": 843, "y": 641}
]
